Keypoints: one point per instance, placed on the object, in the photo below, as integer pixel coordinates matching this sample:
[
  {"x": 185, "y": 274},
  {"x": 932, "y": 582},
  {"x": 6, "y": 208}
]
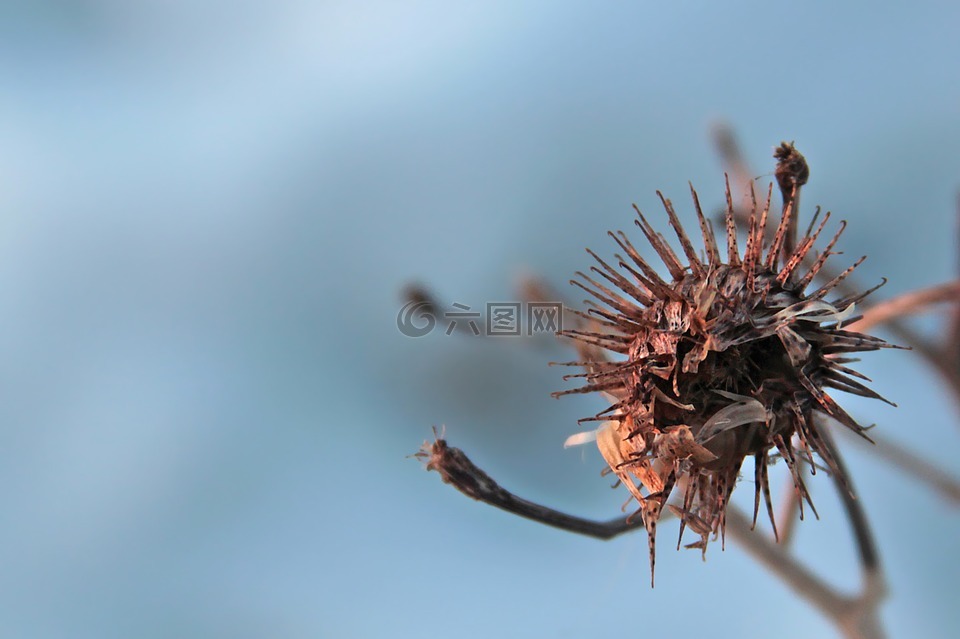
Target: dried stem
[
  {"x": 943, "y": 358},
  {"x": 907, "y": 304},
  {"x": 867, "y": 547},
  {"x": 730, "y": 155},
  {"x": 790, "y": 512},
  {"x": 457, "y": 470},
  {"x": 791, "y": 173},
  {"x": 856, "y": 617},
  {"x": 911, "y": 464}
]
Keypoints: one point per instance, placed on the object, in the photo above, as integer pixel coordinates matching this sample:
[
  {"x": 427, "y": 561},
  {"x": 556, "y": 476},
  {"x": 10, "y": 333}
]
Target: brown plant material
[
  {"x": 729, "y": 358},
  {"x": 791, "y": 173},
  {"x": 456, "y": 469}
]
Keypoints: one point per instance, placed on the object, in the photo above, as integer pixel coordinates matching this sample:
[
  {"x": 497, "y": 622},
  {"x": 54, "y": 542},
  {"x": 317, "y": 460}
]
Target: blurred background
[{"x": 209, "y": 210}]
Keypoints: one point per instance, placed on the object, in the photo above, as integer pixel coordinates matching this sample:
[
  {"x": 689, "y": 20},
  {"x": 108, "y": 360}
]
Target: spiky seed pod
[{"x": 722, "y": 361}]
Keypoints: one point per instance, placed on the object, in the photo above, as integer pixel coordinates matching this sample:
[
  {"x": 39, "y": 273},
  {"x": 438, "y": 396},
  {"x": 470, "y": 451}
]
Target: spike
[
  {"x": 733, "y": 254},
  {"x": 709, "y": 240},
  {"x": 669, "y": 258},
  {"x": 695, "y": 264},
  {"x": 806, "y": 279}
]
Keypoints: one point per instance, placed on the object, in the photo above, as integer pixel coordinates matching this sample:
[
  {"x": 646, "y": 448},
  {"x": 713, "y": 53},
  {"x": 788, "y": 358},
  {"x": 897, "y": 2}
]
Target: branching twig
[{"x": 855, "y": 615}]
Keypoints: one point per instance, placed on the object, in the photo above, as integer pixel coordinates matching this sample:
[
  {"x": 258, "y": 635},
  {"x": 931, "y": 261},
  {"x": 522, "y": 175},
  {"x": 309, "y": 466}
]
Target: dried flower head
[{"x": 728, "y": 358}]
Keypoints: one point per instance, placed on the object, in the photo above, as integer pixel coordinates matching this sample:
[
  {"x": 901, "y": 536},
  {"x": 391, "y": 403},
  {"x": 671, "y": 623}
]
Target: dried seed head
[{"x": 723, "y": 360}]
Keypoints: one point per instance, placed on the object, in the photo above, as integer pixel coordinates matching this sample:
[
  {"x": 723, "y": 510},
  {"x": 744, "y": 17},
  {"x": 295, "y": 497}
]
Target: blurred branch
[
  {"x": 907, "y": 304},
  {"x": 790, "y": 510},
  {"x": 910, "y": 463},
  {"x": 856, "y": 617}
]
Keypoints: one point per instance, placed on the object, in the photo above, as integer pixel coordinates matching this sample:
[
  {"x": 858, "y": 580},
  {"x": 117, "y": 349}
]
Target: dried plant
[{"x": 730, "y": 357}]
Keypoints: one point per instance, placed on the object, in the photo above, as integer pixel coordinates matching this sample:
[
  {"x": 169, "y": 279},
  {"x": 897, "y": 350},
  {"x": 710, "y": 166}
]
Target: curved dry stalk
[
  {"x": 910, "y": 303},
  {"x": 943, "y": 358},
  {"x": 456, "y": 469},
  {"x": 857, "y": 617}
]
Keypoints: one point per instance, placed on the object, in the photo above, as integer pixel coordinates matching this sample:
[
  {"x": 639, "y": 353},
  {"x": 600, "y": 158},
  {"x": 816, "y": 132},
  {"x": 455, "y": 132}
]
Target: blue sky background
[{"x": 209, "y": 209}]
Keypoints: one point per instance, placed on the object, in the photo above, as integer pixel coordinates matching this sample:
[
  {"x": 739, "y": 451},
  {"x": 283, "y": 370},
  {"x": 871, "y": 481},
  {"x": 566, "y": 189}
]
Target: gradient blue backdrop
[{"x": 208, "y": 211}]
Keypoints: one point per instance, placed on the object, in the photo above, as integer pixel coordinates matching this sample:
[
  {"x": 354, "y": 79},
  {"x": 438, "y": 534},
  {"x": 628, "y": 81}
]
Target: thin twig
[
  {"x": 457, "y": 470},
  {"x": 907, "y": 304},
  {"x": 943, "y": 358},
  {"x": 731, "y": 157},
  {"x": 863, "y": 535},
  {"x": 791, "y": 173},
  {"x": 790, "y": 511},
  {"x": 952, "y": 346},
  {"x": 856, "y": 617},
  {"x": 910, "y": 464}
]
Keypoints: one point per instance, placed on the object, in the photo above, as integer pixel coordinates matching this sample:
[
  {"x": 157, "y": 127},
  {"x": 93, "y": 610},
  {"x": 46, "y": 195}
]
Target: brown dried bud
[{"x": 792, "y": 169}]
